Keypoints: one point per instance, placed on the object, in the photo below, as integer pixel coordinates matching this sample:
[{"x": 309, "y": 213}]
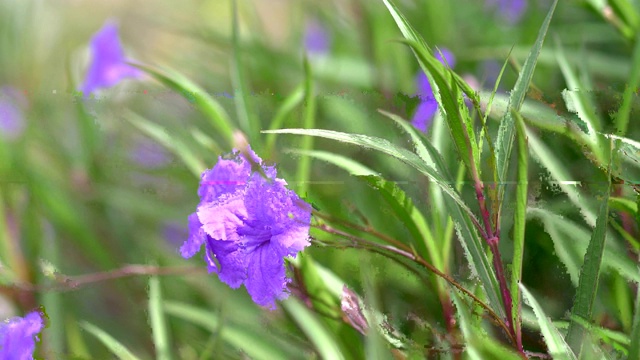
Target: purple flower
[
  {"x": 316, "y": 38},
  {"x": 149, "y": 154},
  {"x": 17, "y": 336},
  {"x": 428, "y": 105},
  {"x": 248, "y": 224},
  {"x": 510, "y": 10},
  {"x": 12, "y": 123},
  {"x": 108, "y": 64}
]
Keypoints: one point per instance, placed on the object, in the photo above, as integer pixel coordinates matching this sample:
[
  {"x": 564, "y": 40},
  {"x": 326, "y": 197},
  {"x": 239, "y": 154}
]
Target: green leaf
[
  {"x": 304, "y": 164},
  {"x": 388, "y": 148},
  {"x": 622, "y": 204},
  {"x": 325, "y": 343},
  {"x": 519, "y": 221},
  {"x": 288, "y": 105},
  {"x": 589, "y": 276},
  {"x": 560, "y": 176},
  {"x": 576, "y": 99},
  {"x": 256, "y": 344},
  {"x": 463, "y": 216},
  {"x": 446, "y": 92},
  {"x": 110, "y": 342},
  {"x": 412, "y": 218},
  {"x": 350, "y": 165},
  {"x": 571, "y": 241},
  {"x": 470, "y": 241},
  {"x": 558, "y": 348},
  {"x": 248, "y": 121},
  {"x": 157, "y": 320},
  {"x": 537, "y": 114},
  {"x": 215, "y": 113},
  {"x": 634, "y": 347},
  {"x": 506, "y": 131}
]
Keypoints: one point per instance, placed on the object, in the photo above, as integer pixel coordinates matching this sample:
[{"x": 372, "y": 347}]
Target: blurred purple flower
[
  {"x": 248, "y": 224},
  {"x": 510, "y": 10},
  {"x": 428, "y": 105},
  {"x": 149, "y": 154},
  {"x": 490, "y": 70},
  {"x": 175, "y": 233},
  {"x": 17, "y": 336},
  {"x": 316, "y": 38},
  {"x": 12, "y": 122},
  {"x": 108, "y": 64}
]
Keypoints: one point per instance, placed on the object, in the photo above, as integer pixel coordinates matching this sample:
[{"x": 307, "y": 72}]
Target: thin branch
[{"x": 65, "y": 283}]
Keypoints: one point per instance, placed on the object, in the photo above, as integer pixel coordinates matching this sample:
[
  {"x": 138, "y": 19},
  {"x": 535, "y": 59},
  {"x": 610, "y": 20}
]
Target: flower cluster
[
  {"x": 428, "y": 105},
  {"x": 108, "y": 64},
  {"x": 248, "y": 221},
  {"x": 17, "y": 336}
]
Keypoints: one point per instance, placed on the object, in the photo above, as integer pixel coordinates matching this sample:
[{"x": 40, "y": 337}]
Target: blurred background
[{"x": 92, "y": 182}]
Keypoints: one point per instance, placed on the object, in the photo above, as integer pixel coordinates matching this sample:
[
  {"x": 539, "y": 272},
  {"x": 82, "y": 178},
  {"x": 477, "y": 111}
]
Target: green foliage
[{"x": 517, "y": 208}]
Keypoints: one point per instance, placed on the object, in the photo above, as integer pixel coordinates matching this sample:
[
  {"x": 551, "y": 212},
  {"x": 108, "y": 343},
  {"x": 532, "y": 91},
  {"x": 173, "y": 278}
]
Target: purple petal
[
  {"x": 221, "y": 219},
  {"x": 108, "y": 64},
  {"x": 228, "y": 260},
  {"x": 18, "y": 337},
  {"x": 266, "y": 276},
  {"x": 227, "y": 177},
  {"x": 424, "y": 115},
  {"x": 196, "y": 238},
  {"x": 273, "y": 207}
]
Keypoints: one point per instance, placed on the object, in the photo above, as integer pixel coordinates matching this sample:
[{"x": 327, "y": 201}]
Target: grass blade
[
  {"x": 386, "y": 147},
  {"x": 560, "y": 175},
  {"x": 255, "y": 345},
  {"x": 323, "y": 340},
  {"x": 589, "y": 276},
  {"x": 506, "y": 131},
  {"x": 412, "y": 218},
  {"x": 447, "y": 91},
  {"x": 216, "y": 114},
  {"x": 469, "y": 238},
  {"x": 634, "y": 347},
  {"x": 348, "y": 164},
  {"x": 288, "y": 105},
  {"x": 248, "y": 122},
  {"x": 558, "y": 348},
  {"x": 158, "y": 322},
  {"x": 519, "y": 222},
  {"x": 168, "y": 141},
  {"x": 304, "y": 165},
  {"x": 110, "y": 342}
]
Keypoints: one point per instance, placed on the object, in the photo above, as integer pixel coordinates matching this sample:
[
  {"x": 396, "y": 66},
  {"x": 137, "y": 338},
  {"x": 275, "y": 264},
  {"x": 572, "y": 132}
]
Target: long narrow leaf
[
  {"x": 256, "y": 344},
  {"x": 558, "y": 348},
  {"x": 386, "y": 147},
  {"x": 216, "y": 114},
  {"x": 589, "y": 276},
  {"x": 519, "y": 221},
  {"x": 109, "y": 341},
  {"x": 506, "y": 131},
  {"x": 470, "y": 241},
  {"x": 158, "y": 322},
  {"x": 324, "y": 341}
]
